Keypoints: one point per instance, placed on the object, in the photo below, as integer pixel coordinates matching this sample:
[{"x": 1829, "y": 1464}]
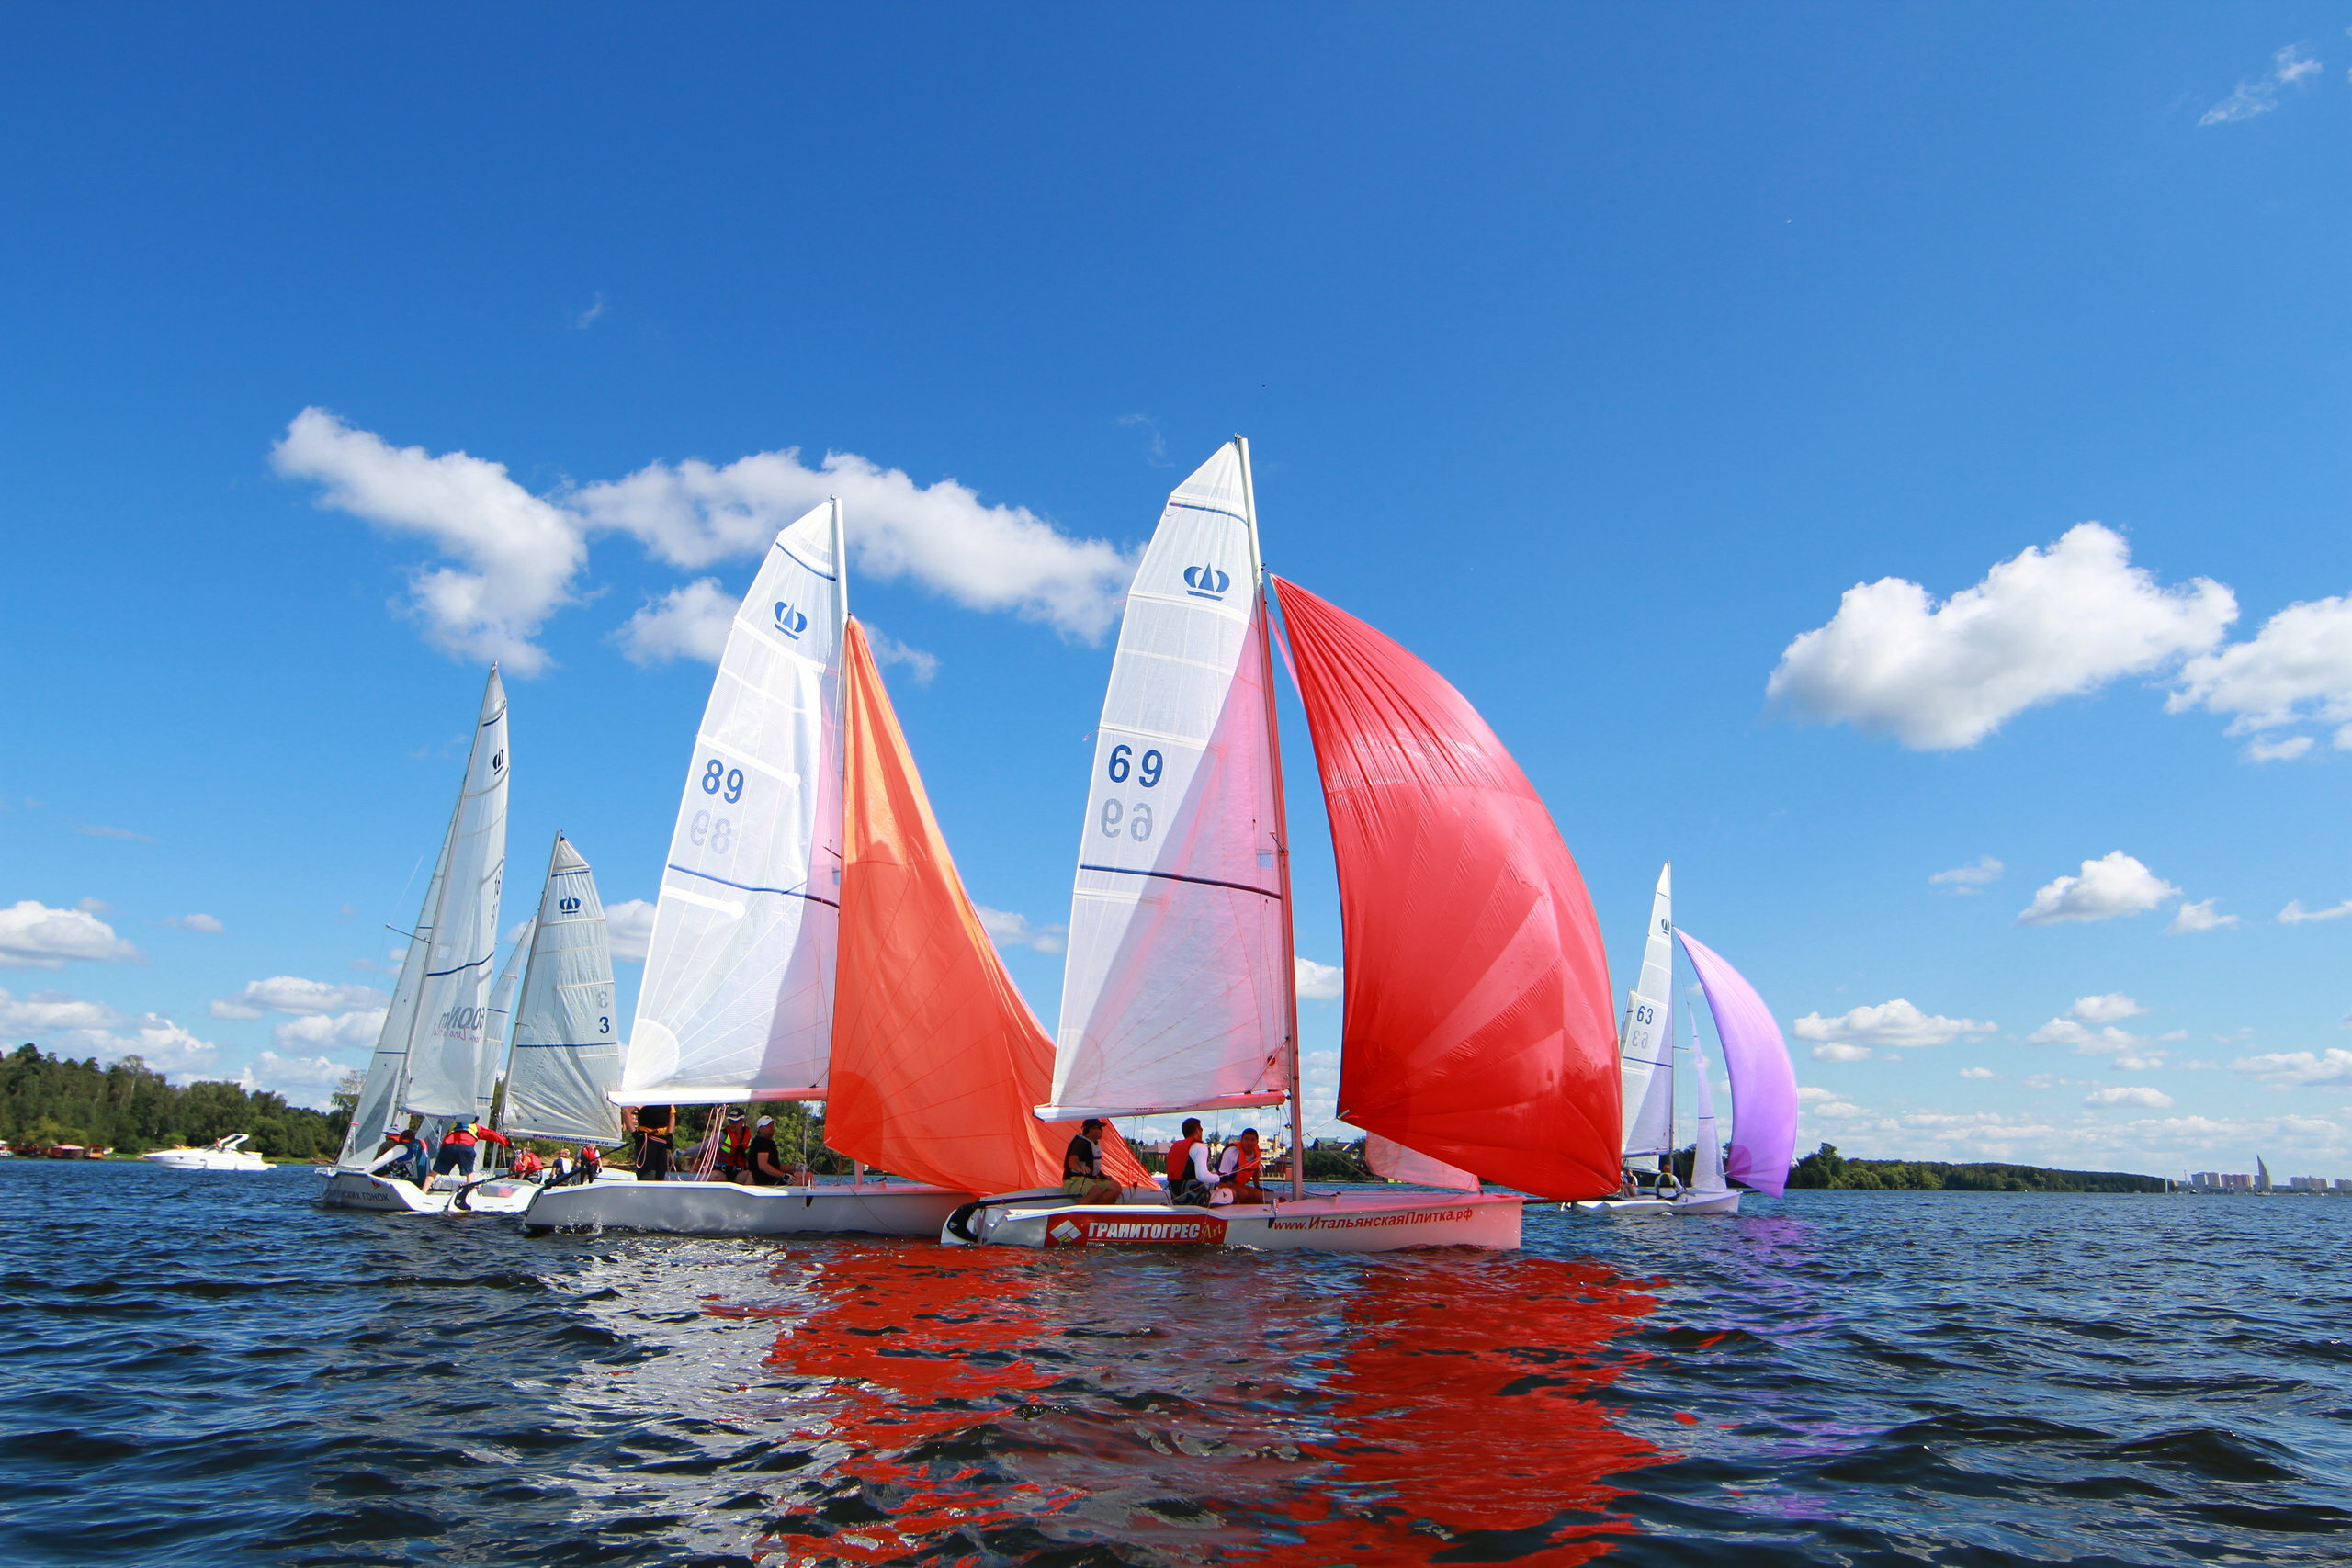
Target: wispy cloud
[
  {"x": 2294, "y": 914},
  {"x": 1155, "y": 451},
  {"x": 291, "y": 994},
  {"x": 589, "y": 317},
  {"x": 2129, "y": 1094},
  {"x": 628, "y": 926},
  {"x": 1009, "y": 929},
  {"x": 2259, "y": 95},
  {"x": 93, "y": 831},
  {"x": 2191, "y": 919},
  {"x": 208, "y": 924},
  {"x": 1969, "y": 878}
]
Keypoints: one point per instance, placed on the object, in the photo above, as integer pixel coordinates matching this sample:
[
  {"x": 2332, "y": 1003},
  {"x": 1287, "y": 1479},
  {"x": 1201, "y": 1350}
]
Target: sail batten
[
  {"x": 1477, "y": 1029},
  {"x": 1174, "y": 990},
  {"x": 736, "y": 1000}
]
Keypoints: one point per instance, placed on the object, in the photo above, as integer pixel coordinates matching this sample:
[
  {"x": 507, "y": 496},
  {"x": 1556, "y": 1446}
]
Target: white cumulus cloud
[
  {"x": 2297, "y": 670},
  {"x": 331, "y": 1032},
  {"x": 287, "y": 993},
  {"x": 1009, "y": 929},
  {"x": 2129, "y": 1094},
  {"x": 2087, "y": 1039},
  {"x": 628, "y": 926},
  {"x": 689, "y": 622},
  {"x": 2111, "y": 1008},
  {"x": 2111, "y": 885},
  {"x": 2046, "y": 625},
  {"x": 1838, "y": 1051},
  {"x": 2259, "y": 95},
  {"x": 694, "y": 514},
  {"x": 2294, "y": 914},
  {"x": 518, "y": 553},
  {"x": 1978, "y": 1073},
  {"x": 298, "y": 1080},
  {"x": 2299, "y": 1069},
  {"x": 2200, "y": 915},
  {"x": 1318, "y": 982},
  {"x": 34, "y": 936},
  {"x": 1896, "y": 1025},
  {"x": 43, "y": 1012}
]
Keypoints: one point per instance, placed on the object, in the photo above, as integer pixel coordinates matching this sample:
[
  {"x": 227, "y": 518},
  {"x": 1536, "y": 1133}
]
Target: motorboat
[{"x": 222, "y": 1154}]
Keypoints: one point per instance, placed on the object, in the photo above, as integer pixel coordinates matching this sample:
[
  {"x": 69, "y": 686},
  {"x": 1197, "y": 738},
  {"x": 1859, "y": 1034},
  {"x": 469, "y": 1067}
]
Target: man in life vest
[
  {"x": 653, "y": 1145},
  {"x": 1236, "y": 1169},
  {"x": 461, "y": 1146},
  {"x": 1082, "y": 1175},
  {"x": 1190, "y": 1179},
  {"x": 592, "y": 1164},
  {"x": 528, "y": 1166},
  {"x": 734, "y": 1162}
]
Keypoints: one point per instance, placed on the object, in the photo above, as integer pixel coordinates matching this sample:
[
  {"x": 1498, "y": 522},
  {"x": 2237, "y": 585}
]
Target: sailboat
[
  {"x": 1477, "y": 1042},
  {"x": 564, "y": 1049},
  {"x": 1763, "y": 1083},
  {"x": 813, "y": 942},
  {"x": 429, "y": 1057}
]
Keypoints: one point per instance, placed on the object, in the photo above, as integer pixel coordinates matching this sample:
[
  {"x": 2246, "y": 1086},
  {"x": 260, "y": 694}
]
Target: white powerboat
[{"x": 222, "y": 1153}]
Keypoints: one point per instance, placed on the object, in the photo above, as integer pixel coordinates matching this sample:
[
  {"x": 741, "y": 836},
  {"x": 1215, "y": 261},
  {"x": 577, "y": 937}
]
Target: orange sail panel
[
  {"x": 1478, "y": 1027},
  {"x": 936, "y": 1058}
]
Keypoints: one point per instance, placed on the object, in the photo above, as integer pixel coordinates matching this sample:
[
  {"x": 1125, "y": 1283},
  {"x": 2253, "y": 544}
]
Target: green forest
[
  {"x": 1827, "y": 1168},
  {"x": 129, "y": 1107}
]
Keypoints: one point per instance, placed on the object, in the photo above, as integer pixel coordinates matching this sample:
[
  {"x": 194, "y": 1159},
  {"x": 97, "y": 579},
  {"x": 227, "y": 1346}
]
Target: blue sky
[{"x": 1593, "y": 352}]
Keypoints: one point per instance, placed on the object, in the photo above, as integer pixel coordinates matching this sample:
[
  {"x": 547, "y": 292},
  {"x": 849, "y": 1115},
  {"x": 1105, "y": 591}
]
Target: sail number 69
[{"x": 1147, "y": 772}]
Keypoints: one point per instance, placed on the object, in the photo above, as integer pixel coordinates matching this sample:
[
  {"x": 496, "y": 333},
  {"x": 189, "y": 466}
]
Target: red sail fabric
[
  {"x": 1479, "y": 1026},
  {"x": 936, "y": 1059}
]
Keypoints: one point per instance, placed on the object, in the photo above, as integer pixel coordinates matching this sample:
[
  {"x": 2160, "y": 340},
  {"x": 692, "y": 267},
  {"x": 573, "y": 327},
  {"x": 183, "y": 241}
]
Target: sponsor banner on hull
[
  {"x": 1370, "y": 1222},
  {"x": 1079, "y": 1230}
]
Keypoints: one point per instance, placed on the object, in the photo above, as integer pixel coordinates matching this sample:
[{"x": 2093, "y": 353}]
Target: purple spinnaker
[{"x": 1763, "y": 1084}]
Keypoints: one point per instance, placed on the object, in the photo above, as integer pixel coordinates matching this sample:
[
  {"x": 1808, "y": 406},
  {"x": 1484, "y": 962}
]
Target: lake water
[{"x": 209, "y": 1369}]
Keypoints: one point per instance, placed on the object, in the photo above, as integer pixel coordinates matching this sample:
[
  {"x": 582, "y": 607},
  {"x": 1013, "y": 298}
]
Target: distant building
[
  {"x": 2343, "y": 1185},
  {"x": 2307, "y": 1183}
]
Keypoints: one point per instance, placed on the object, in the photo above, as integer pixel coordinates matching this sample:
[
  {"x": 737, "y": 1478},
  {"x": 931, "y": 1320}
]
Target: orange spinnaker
[{"x": 937, "y": 1060}]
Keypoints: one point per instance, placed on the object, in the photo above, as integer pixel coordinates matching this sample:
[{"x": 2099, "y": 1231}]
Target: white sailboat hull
[
  {"x": 1708, "y": 1202},
  {"x": 1623, "y": 1207},
  {"x": 390, "y": 1195},
  {"x": 720, "y": 1208},
  {"x": 1327, "y": 1221}
]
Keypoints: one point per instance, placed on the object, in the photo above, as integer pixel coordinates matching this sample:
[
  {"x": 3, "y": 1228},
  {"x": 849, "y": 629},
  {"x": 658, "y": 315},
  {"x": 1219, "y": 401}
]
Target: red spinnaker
[
  {"x": 936, "y": 1059},
  {"x": 1480, "y": 1026}
]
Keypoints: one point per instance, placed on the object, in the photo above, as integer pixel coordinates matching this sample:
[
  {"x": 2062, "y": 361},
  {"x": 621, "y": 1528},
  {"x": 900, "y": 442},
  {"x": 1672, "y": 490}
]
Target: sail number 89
[
  {"x": 1147, "y": 772},
  {"x": 1137, "y": 819},
  {"x": 716, "y": 776}
]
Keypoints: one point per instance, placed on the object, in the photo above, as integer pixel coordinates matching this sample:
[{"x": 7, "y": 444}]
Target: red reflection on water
[
  {"x": 1463, "y": 1416},
  {"x": 1203, "y": 1407}
]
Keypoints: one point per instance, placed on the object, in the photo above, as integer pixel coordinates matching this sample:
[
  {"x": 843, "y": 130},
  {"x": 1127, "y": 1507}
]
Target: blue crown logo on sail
[
  {"x": 1204, "y": 581},
  {"x": 569, "y": 905},
  {"x": 789, "y": 621}
]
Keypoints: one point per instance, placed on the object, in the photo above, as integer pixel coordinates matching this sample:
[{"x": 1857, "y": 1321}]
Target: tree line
[
  {"x": 131, "y": 1108},
  {"x": 1827, "y": 1168}
]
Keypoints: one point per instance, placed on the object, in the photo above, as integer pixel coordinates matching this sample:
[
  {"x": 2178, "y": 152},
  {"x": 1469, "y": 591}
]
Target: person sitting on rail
[
  {"x": 763, "y": 1167},
  {"x": 1190, "y": 1181},
  {"x": 1237, "y": 1168},
  {"x": 527, "y": 1165},
  {"x": 1082, "y": 1175}
]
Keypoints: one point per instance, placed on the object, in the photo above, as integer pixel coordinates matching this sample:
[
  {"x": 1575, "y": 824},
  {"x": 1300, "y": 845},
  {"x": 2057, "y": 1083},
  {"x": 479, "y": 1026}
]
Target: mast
[{"x": 1282, "y": 830}]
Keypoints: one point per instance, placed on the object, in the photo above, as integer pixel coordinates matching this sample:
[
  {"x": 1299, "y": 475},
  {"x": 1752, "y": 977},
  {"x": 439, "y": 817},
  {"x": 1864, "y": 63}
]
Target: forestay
[
  {"x": 736, "y": 1002},
  {"x": 566, "y": 1057},
  {"x": 1707, "y": 1152},
  {"x": 1763, "y": 1083},
  {"x": 446, "y": 1047},
  {"x": 1174, "y": 992},
  {"x": 379, "y": 1095},
  {"x": 1648, "y": 1054}
]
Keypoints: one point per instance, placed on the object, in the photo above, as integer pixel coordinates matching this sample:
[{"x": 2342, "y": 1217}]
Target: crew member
[
  {"x": 461, "y": 1146},
  {"x": 766, "y": 1167},
  {"x": 735, "y": 1146},
  {"x": 653, "y": 1146},
  {"x": 1189, "y": 1177},
  {"x": 1082, "y": 1175},
  {"x": 1237, "y": 1167}
]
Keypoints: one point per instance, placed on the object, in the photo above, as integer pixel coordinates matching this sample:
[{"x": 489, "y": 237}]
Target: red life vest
[
  {"x": 1179, "y": 1159},
  {"x": 457, "y": 1138}
]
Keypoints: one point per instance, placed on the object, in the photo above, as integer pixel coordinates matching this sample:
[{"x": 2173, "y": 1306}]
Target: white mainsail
[
  {"x": 1176, "y": 993},
  {"x": 498, "y": 1034},
  {"x": 738, "y": 998},
  {"x": 445, "y": 1050},
  {"x": 1707, "y": 1155},
  {"x": 565, "y": 1058},
  {"x": 423, "y": 1033},
  {"x": 1647, "y": 1049}
]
